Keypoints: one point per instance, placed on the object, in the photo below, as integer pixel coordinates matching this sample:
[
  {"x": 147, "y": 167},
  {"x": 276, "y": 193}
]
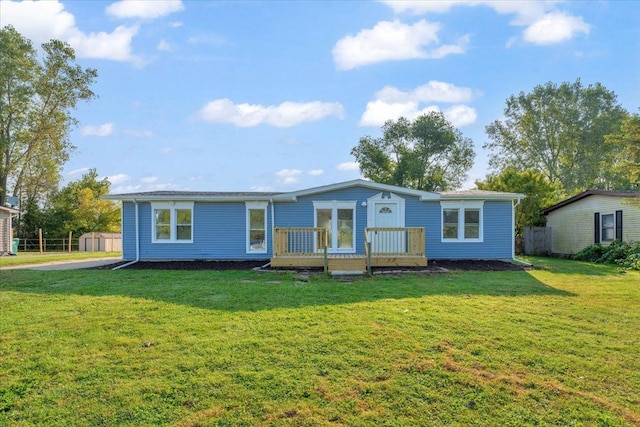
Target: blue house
[{"x": 351, "y": 225}]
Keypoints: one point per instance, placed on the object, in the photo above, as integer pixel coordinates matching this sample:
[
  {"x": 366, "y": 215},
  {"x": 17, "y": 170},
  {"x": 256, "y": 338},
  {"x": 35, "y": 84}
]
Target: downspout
[
  {"x": 513, "y": 240},
  {"x": 135, "y": 202},
  {"x": 273, "y": 228}
]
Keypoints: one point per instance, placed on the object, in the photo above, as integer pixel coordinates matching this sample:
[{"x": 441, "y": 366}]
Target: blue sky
[{"x": 222, "y": 96}]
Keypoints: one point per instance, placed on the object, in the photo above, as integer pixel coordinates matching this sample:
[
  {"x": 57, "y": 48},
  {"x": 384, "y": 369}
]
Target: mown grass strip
[
  {"x": 554, "y": 346},
  {"x": 37, "y": 258}
]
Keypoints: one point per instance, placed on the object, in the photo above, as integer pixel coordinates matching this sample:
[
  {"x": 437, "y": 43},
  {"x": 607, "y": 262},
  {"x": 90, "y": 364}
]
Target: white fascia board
[
  {"x": 494, "y": 197},
  {"x": 192, "y": 198},
  {"x": 423, "y": 195}
]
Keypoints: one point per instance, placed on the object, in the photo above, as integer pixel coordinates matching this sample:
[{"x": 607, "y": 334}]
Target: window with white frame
[
  {"x": 256, "y": 227},
  {"x": 462, "y": 221},
  {"x": 607, "y": 228},
  {"x": 172, "y": 222},
  {"x": 339, "y": 218}
]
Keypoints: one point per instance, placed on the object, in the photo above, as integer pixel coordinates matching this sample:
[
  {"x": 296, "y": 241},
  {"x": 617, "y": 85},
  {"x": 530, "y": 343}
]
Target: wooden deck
[{"x": 300, "y": 248}]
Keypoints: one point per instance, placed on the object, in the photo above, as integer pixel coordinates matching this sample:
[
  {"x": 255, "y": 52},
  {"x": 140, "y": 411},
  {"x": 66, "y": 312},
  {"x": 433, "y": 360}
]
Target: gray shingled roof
[
  {"x": 588, "y": 193},
  {"x": 200, "y": 194}
]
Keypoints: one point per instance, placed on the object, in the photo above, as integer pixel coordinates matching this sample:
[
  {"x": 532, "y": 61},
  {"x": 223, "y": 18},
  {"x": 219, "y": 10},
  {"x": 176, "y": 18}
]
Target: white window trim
[
  {"x": 461, "y": 206},
  {"x": 173, "y": 207},
  {"x": 334, "y": 205},
  {"x": 602, "y": 215},
  {"x": 255, "y": 206}
]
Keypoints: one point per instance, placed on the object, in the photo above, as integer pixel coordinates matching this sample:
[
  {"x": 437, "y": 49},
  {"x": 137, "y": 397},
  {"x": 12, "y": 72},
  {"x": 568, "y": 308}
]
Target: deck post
[
  {"x": 326, "y": 260},
  {"x": 368, "y": 257}
]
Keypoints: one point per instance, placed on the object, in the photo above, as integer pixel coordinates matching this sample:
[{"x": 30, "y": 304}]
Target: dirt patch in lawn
[{"x": 439, "y": 265}]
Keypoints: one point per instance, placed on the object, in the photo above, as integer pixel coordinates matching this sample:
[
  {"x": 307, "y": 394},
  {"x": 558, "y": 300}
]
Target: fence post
[
  {"x": 92, "y": 241},
  {"x": 70, "y": 233},
  {"x": 40, "y": 238}
]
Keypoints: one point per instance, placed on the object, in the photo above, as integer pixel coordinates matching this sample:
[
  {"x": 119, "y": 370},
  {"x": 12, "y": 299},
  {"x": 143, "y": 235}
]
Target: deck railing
[
  {"x": 299, "y": 241},
  {"x": 379, "y": 241},
  {"x": 395, "y": 241}
]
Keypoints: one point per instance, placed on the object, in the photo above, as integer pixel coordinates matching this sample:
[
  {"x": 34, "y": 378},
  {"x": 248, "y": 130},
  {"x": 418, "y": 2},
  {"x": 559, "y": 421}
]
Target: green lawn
[
  {"x": 554, "y": 346},
  {"x": 26, "y": 258}
]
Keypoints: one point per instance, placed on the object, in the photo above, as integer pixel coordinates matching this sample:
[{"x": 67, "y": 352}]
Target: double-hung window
[
  {"x": 172, "y": 222},
  {"x": 256, "y": 227},
  {"x": 462, "y": 221},
  {"x": 607, "y": 228}
]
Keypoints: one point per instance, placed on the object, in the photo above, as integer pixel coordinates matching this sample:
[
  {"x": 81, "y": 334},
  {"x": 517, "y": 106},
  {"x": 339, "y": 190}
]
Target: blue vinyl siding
[
  {"x": 128, "y": 231},
  {"x": 219, "y": 232},
  {"x": 497, "y": 236},
  {"x": 219, "y": 228}
]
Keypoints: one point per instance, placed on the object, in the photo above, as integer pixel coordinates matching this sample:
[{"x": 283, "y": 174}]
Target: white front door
[{"x": 386, "y": 213}]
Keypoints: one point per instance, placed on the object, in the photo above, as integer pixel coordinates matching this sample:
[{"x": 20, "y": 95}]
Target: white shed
[
  {"x": 101, "y": 242},
  {"x": 6, "y": 230}
]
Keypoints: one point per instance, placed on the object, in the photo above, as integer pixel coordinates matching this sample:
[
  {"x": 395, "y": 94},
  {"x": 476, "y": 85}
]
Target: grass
[
  {"x": 553, "y": 346},
  {"x": 26, "y": 258}
]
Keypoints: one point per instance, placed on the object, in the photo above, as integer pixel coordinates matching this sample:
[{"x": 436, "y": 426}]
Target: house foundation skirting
[{"x": 346, "y": 262}]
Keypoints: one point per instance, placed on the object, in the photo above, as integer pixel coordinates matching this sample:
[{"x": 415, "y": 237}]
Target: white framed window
[
  {"x": 607, "y": 228},
  {"x": 339, "y": 218},
  {"x": 256, "y": 213},
  {"x": 172, "y": 222},
  {"x": 462, "y": 221}
]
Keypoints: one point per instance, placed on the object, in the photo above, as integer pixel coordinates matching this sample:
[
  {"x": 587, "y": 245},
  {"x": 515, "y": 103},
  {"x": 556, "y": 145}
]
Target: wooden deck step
[{"x": 343, "y": 273}]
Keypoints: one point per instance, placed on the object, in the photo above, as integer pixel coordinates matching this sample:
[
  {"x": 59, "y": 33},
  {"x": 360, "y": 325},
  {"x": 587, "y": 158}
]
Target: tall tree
[
  {"x": 78, "y": 208},
  {"x": 541, "y": 193},
  {"x": 559, "y": 130},
  {"x": 36, "y": 103},
  {"x": 628, "y": 140},
  {"x": 426, "y": 154}
]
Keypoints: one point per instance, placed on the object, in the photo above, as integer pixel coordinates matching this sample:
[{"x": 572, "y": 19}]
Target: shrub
[
  {"x": 591, "y": 253},
  {"x": 626, "y": 255}
]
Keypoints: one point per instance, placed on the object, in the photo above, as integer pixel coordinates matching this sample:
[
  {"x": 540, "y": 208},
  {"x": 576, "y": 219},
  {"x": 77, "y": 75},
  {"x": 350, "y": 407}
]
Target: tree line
[
  {"x": 553, "y": 142},
  {"x": 37, "y": 101}
]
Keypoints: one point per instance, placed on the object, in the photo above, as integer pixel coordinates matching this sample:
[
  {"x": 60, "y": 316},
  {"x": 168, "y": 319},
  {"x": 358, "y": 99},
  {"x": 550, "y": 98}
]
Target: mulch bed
[{"x": 433, "y": 265}]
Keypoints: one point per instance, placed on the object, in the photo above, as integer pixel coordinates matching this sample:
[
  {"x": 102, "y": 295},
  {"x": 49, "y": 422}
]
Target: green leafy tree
[
  {"x": 559, "y": 130},
  {"x": 628, "y": 140},
  {"x": 78, "y": 208},
  {"x": 36, "y": 102},
  {"x": 426, "y": 154},
  {"x": 541, "y": 193}
]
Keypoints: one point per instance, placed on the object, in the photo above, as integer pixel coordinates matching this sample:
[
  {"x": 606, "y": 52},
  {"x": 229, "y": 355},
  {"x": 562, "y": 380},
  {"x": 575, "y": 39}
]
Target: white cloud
[
  {"x": 105, "y": 129},
  {"x": 555, "y": 28},
  {"x": 460, "y": 115},
  {"x": 115, "y": 45},
  {"x": 165, "y": 46},
  {"x": 118, "y": 178},
  {"x": 286, "y": 114},
  {"x": 80, "y": 171},
  {"x": 316, "y": 172},
  {"x": 545, "y": 24},
  {"x": 166, "y": 150},
  {"x": 378, "y": 112},
  {"x": 288, "y": 176},
  {"x": 45, "y": 20},
  {"x": 391, "y": 103},
  {"x": 392, "y": 41},
  {"x": 149, "y": 179},
  {"x": 433, "y": 91},
  {"x": 144, "y": 8},
  {"x": 348, "y": 166},
  {"x": 125, "y": 189}
]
